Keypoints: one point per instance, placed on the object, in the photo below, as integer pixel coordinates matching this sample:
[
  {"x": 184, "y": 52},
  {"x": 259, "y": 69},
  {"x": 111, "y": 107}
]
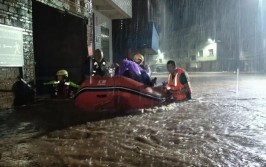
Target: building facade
[
  {"x": 139, "y": 34},
  {"x": 105, "y": 11},
  {"x": 49, "y": 36},
  {"x": 237, "y": 28}
]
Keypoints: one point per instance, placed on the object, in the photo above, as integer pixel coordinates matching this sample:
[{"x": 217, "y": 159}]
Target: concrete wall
[
  {"x": 103, "y": 21},
  {"x": 125, "y": 5},
  {"x": 76, "y": 7}
]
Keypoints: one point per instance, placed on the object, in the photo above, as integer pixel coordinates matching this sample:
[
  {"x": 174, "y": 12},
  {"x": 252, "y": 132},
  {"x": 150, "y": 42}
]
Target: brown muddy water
[{"x": 224, "y": 125}]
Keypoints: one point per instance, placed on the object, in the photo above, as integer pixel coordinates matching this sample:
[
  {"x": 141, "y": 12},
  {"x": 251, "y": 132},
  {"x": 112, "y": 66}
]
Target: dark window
[
  {"x": 210, "y": 52},
  {"x": 193, "y": 57},
  {"x": 201, "y": 53}
]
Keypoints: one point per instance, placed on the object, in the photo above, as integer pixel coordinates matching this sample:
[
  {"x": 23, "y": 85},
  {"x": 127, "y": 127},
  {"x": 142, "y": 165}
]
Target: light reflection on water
[{"x": 209, "y": 130}]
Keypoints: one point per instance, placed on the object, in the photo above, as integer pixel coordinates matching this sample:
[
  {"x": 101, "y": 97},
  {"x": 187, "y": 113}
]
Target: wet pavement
[{"x": 223, "y": 125}]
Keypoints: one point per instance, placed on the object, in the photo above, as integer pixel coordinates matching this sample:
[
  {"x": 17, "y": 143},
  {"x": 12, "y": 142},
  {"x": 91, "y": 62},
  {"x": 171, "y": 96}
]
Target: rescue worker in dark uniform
[
  {"x": 99, "y": 65},
  {"x": 178, "y": 85},
  {"x": 62, "y": 88},
  {"x": 23, "y": 92}
]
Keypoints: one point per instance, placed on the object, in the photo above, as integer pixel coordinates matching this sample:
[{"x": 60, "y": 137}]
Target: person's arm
[
  {"x": 183, "y": 90},
  {"x": 72, "y": 84},
  {"x": 50, "y": 83}
]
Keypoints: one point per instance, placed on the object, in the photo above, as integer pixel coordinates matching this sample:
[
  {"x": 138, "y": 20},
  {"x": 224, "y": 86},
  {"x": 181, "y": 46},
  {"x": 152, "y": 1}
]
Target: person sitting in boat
[
  {"x": 130, "y": 69},
  {"x": 62, "y": 87},
  {"x": 145, "y": 77},
  {"x": 115, "y": 68},
  {"x": 133, "y": 69},
  {"x": 99, "y": 65},
  {"x": 178, "y": 85}
]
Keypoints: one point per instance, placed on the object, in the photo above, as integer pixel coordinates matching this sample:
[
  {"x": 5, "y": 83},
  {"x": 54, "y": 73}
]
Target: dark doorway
[{"x": 59, "y": 43}]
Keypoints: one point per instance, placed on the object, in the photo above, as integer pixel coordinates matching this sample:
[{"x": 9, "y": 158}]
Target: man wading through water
[{"x": 178, "y": 86}]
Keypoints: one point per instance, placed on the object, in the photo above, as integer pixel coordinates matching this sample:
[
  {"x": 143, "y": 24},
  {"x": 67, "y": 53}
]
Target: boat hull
[{"x": 115, "y": 93}]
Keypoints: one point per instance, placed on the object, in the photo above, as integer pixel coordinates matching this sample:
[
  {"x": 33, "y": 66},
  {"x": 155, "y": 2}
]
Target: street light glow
[{"x": 210, "y": 40}]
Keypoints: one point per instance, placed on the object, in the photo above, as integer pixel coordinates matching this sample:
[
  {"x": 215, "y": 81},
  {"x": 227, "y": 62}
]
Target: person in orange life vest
[
  {"x": 178, "y": 85},
  {"x": 62, "y": 87}
]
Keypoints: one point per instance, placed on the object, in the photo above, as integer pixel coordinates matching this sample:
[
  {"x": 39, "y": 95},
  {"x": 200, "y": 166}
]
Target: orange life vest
[{"x": 175, "y": 84}]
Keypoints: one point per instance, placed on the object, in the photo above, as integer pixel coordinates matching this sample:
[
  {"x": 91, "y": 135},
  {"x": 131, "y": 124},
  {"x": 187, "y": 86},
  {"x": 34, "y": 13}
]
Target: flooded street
[{"x": 223, "y": 125}]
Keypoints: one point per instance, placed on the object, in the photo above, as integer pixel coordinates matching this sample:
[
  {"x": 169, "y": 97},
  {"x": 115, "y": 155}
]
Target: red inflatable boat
[{"x": 115, "y": 93}]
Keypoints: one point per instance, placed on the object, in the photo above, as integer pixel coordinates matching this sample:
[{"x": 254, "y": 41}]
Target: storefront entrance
[{"x": 59, "y": 43}]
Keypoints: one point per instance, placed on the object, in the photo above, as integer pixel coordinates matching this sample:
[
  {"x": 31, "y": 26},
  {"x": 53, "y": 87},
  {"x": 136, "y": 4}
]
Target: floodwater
[{"x": 224, "y": 125}]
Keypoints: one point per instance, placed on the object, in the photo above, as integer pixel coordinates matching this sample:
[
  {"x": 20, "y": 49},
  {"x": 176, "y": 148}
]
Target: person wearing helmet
[
  {"x": 62, "y": 87},
  {"x": 133, "y": 69},
  {"x": 178, "y": 85},
  {"x": 138, "y": 58},
  {"x": 62, "y": 75},
  {"x": 145, "y": 77},
  {"x": 130, "y": 69},
  {"x": 99, "y": 65}
]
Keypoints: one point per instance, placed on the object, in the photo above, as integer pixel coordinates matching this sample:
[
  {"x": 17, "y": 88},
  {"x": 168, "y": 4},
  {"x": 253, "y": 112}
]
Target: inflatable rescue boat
[{"x": 117, "y": 93}]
